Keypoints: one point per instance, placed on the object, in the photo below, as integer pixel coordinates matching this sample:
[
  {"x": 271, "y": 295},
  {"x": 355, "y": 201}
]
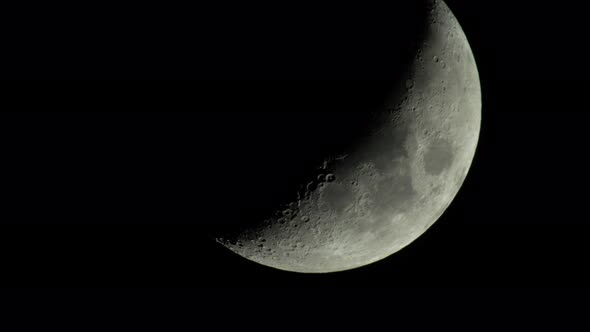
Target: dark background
[{"x": 111, "y": 182}]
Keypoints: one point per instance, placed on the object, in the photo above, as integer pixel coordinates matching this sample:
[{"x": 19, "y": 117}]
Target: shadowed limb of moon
[{"x": 389, "y": 187}]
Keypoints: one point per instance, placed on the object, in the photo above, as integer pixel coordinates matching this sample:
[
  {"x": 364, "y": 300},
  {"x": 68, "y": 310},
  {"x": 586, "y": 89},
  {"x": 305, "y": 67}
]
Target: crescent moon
[{"x": 387, "y": 190}]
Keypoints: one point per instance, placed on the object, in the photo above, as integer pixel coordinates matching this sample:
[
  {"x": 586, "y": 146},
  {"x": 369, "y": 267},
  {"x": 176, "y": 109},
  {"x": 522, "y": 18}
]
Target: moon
[{"x": 374, "y": 198}]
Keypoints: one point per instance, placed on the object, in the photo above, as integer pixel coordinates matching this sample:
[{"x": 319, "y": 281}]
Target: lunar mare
[{"x": 376, "y": 198}]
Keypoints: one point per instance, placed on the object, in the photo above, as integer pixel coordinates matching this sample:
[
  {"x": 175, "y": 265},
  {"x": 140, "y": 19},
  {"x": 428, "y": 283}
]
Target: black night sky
[{"x": 120, "y": 145}]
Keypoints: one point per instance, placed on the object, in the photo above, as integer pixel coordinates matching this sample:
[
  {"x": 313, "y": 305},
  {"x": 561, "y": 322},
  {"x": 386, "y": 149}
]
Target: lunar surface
[{"x": 384, "y": 191}]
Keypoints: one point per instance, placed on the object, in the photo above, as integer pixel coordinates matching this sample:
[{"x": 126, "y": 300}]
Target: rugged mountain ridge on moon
[{"x": 370, "y": 197}]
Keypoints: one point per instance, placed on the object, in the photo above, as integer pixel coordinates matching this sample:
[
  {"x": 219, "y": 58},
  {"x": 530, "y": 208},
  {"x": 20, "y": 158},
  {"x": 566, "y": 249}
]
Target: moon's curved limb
[{"x": 375, "y": 199}]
